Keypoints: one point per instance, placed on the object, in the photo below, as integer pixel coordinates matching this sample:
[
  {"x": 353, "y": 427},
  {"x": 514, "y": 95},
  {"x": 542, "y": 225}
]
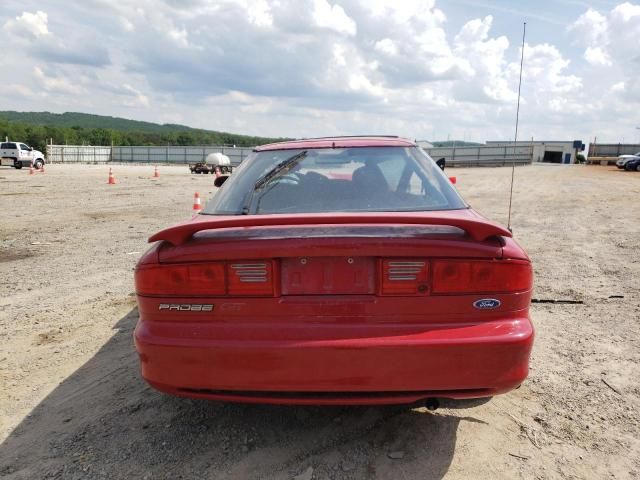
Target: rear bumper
[{"x": 378, "y": 364}]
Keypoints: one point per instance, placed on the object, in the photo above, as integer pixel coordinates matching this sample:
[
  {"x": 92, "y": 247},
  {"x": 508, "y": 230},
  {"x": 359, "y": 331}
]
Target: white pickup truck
[{"x": 18, "y": 155}]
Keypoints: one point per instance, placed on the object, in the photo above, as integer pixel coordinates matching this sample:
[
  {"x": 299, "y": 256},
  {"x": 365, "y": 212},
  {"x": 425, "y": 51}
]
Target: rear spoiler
[{"x": 477, "y": 228}]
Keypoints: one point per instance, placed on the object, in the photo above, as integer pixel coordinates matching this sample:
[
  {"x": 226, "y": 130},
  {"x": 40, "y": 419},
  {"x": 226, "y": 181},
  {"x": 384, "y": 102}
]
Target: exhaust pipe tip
[{"x": 432, "y": 404}]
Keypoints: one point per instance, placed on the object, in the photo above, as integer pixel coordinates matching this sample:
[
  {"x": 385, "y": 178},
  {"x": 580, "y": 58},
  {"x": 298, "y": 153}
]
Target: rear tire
[{"x": 638, "y": 168}]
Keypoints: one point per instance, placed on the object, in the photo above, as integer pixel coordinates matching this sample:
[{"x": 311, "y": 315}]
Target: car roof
[{"x": 339, "y": 142}]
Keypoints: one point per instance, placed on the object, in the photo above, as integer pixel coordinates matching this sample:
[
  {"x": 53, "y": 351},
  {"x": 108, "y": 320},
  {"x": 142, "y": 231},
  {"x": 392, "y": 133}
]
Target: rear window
[
  {"x": 367, "y": 179},
  {"x": 8, "y": 146}
]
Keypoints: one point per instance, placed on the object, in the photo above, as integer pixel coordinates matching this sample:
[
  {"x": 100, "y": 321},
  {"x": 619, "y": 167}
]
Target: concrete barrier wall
[
  {"x": 78, "y": 154},
  {"x": 175, "y": 154},
  {"x": 455, "y": 156},
  {"x": 141, "y": 154},
  {"x": 484, "y": 155},
  {"x": 613, "y": 149}
]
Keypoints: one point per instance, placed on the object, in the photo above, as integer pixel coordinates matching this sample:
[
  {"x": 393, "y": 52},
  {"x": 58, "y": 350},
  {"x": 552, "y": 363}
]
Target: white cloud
[
  {"x": 16, "y": 90},
  {"x": 260, "y": 14},
  {"x": 333, "y": 17},
  {"x": 626, "y": 12},
  {"x": 386, "y": 46},
  {"x": 28, "y": 25},
  {"x": 139, "y": 99},
  {"x": 611, "y": 42},
  {"x": 311, "y": 67},
  {"x": 402, "y": 11},
  {"x": 597, "y": 56},
  {"x": 546, "y": 66},
  {"x": 55, "y": 84},
  {"x": 589, "y": 28},
  {"x": 617, "y": 87},
  {"x": 360, "y": 82}
]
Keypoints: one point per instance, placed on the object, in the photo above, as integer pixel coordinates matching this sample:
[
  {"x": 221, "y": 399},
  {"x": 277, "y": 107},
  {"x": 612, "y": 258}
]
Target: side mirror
[
  {"x": 441, "y": 163},
  {"x": 220, "y": 180}
]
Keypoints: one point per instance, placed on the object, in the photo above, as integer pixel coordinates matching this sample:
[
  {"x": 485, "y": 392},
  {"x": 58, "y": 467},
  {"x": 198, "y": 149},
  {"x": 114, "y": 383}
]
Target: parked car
[
  {"x": 213, "y": 160},
  {"x": 341, "y": 270},
  {"x": 633, "y": 165},
  {"x": 18, "y": 155},
  {"x": 623, "y": 159}
]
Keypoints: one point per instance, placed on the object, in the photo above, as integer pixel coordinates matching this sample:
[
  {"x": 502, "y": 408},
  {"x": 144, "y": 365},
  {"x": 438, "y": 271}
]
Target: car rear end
[
  {"x": 341, "y": 308},
  {"x": 370, "y": 319}
]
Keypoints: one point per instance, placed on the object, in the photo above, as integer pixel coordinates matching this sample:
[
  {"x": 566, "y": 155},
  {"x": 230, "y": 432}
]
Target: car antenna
[{"x": 515, "y": 140}]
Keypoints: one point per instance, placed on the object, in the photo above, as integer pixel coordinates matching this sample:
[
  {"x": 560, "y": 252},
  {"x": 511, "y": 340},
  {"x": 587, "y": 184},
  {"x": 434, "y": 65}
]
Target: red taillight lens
[
  {"x": 404, "y": 277},
  {"x": 181, "y": 280},
  {"x": 492, "y": 276},
  {"x": 250, "y": 278}
]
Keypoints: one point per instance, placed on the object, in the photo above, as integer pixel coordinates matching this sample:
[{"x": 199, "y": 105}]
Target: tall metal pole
[{"x": 515, "y": 139}]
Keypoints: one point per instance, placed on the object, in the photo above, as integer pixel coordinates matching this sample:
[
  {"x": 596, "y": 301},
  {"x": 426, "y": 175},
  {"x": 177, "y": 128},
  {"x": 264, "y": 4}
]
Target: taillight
[
  {"x": 181, "y": 280},
  {"x": 250, "y": 278},
  {"x": 404, "y": 277},
  {"x": 480, "y": 276}
]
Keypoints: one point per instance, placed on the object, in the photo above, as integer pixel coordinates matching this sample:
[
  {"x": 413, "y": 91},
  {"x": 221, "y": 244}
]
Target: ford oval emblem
[{"x": 487, "y": 303}]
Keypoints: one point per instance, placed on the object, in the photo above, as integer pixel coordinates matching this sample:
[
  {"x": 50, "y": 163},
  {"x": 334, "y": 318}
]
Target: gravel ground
[{"x": 72, "y": 404}]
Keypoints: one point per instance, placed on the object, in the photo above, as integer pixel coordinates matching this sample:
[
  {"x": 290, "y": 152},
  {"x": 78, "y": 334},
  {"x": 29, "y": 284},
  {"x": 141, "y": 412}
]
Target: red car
[{"x": 340, "y": 270}]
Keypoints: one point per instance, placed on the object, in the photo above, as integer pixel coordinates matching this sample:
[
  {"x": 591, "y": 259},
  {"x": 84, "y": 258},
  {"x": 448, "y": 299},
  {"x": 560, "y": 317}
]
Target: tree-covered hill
[
  {"x": 87, "y": 120},
  {"x": 72, "y": 128}
]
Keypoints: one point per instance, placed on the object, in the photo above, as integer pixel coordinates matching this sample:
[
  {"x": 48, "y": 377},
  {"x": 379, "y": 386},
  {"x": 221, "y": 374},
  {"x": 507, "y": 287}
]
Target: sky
[{"x": 300, "y": 68}]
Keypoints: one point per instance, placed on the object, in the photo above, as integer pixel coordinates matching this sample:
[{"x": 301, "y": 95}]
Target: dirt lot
[{"x": 72, "y": 404}]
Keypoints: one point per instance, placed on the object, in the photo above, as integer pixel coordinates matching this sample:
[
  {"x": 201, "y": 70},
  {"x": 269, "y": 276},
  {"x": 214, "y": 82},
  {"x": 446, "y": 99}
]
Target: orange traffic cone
[
  {"x": 30, "y": 169},
  {"x": 217, "y": 170},
  {"x": 42, "y": 169},
  {"x": 112, "y": 179},
  {"x": 196, "y": 204},
  {"x": 156, "y": 174}
]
